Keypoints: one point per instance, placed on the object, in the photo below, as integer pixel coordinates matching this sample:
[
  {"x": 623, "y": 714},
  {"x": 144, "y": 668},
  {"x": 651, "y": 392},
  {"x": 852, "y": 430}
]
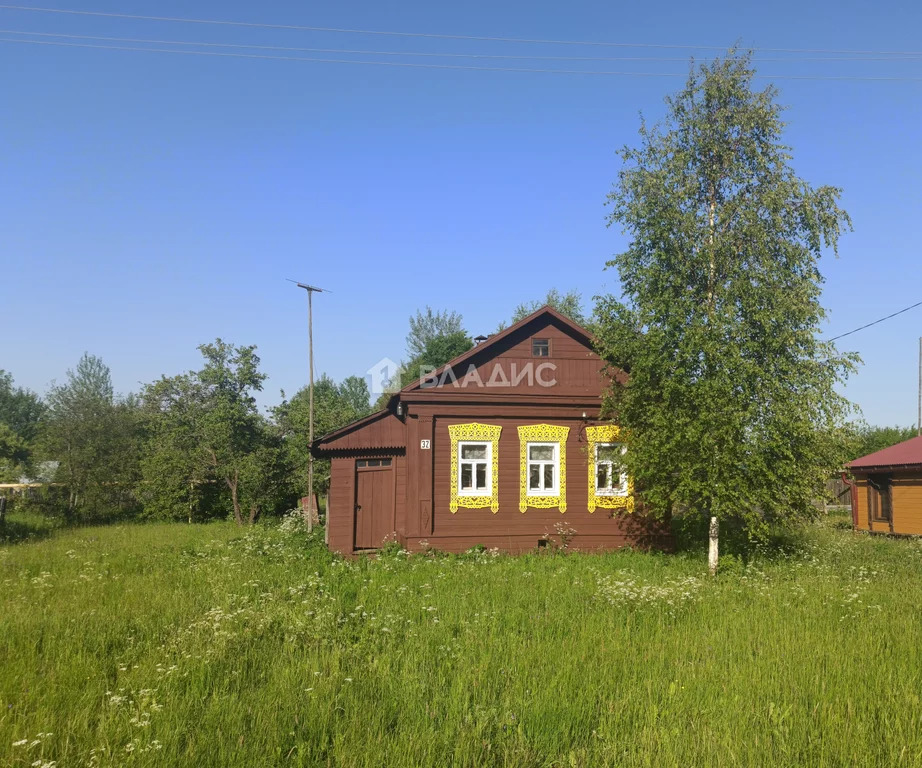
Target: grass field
[{"x": 210, "y": 645}]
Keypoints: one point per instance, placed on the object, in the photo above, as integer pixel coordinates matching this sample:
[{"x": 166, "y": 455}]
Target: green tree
[
  {"x": 569, "y": 304},
  {"x": 205, "y": 435},
  {"x": 731, "y": 408},
  {"x": 865, "y": 439},
  {"x": 428, "y": 325},
  {"x": 437, "y": 351},
  {"x": 20, "y": 413},
  {"x": 94, "y": 435},
  {"x": 335, "y": 405}
]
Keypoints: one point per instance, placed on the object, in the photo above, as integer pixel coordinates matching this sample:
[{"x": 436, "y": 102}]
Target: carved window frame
[
  {"x": 604, "y": 435},
  {"x": 543, "y": 433},
  {"x": 477, "y": 433}
]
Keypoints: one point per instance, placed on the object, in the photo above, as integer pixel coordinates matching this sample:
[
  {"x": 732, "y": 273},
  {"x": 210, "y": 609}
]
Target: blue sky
[{"x": 152, "y": 202}]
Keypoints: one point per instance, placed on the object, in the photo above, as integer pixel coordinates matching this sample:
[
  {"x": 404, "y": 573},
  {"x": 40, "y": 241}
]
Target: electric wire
[
  {"x": 875, "y": 322},
  {"x": 441, "y": 36},
  {"x": 468, "y": 67},
  {"x": 365, "y": 52}
]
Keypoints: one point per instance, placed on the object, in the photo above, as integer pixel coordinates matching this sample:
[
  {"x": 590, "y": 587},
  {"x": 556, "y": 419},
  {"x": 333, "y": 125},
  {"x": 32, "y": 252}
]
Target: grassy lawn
[{"x": 209, "y": 645}]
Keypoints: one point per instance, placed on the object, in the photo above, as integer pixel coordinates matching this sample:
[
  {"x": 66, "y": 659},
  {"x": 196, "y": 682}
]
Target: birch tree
[{"x": 731, "y": 407}]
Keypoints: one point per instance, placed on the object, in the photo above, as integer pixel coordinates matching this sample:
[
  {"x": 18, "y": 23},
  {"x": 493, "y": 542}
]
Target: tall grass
[{"x": 215, "y": 646}]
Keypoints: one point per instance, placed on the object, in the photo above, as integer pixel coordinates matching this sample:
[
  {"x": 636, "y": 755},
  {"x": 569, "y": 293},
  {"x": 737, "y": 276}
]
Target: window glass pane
[
  {"x": 541, "y": 452},
  {"x": 374, "y": 462},
  {"x": 609, "y": 453},
  {"x": 466, "y": 477},
  {"x": 548, "y": 475},
  {"x": 361, "y": 463},
  {"x": 481, "y": 476},
  {"x": 385, "y": 462},
  {"x": 602, "y": 476},
  {"x": 540, "y": 347},
  {"x": 474, "y": 451},
  {"x": 534, "y": 477}
]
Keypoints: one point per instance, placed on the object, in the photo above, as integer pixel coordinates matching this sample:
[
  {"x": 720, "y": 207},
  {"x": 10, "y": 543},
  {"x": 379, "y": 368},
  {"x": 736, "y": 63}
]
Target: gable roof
[
  {"x": 478, "y": 350},
  {"x": 385, "y": 430},
  {"x": 907, "y": 453}
]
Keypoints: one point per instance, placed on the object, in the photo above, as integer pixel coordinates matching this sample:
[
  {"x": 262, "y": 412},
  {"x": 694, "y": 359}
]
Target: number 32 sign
[{"x": 424, "y": 445}]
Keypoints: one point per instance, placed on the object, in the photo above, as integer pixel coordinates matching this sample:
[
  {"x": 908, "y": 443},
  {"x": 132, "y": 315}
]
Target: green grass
[{"x": 209, "y": 645}]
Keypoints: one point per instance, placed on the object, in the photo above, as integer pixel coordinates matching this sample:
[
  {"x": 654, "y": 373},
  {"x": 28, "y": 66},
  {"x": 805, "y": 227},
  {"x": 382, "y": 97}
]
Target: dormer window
[{"x": 540, "y": 347}]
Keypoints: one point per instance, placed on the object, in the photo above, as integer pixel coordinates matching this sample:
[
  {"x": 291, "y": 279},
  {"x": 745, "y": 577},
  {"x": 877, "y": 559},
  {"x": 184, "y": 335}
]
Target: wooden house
[
  {"x": 502, "y": 447},
  {"x": 887, "y": 490}
]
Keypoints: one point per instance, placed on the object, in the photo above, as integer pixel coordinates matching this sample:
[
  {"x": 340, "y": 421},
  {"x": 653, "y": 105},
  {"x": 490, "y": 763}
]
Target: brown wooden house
[
  {"x": 887, "y": 491},
  {"x": 502, "y": 447}
]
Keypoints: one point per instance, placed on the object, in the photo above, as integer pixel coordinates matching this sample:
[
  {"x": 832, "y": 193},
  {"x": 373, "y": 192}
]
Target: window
[
  {"x": 373, "y": 463},
  {"x": 880, "y": 497},
  {"x": 540, "y": 347},
  {"x": 543, "y": 468},
  {"x": 474, "y": 461},
  {"x": 610, "y": 478}
]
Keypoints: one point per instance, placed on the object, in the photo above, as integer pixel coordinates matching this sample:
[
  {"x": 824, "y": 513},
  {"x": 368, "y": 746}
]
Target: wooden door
[{"x": 374, "y": 502}]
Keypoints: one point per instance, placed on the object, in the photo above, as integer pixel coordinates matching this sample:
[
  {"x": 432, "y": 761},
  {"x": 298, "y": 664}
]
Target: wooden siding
[
  {"x": 907, "y": 505},
  {"x": 380, "y": 430},
  {"x": 423, "y": 476},
  {"x": 422, "y": 489},
  {"x": 508, "y": 367},
  {"x": 341, "y": 511}
]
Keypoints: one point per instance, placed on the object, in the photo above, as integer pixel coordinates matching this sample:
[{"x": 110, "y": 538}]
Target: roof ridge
[{"x": 547, "y": 309}]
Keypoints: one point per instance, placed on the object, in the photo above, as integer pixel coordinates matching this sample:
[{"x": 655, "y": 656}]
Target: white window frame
[
  {"x": 622, "y": 489},
  {"x": 555, "y": 491},
  {"x": 488, "y": 491}
]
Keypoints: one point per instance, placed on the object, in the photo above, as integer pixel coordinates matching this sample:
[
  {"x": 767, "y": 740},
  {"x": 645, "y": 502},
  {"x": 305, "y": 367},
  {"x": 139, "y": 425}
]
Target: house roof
[
  {"x": 484, "y": 347},
  {"x": 387, "y": 432},
  {"x": 907, "y": 453},
  {"x": 384, "y": 429}
]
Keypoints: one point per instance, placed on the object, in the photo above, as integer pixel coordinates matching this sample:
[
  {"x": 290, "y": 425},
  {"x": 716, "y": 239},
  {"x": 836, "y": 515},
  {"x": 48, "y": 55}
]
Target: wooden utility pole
[
  {"x": 311, "y": 289},
  {"x": 919, "y": 415}
]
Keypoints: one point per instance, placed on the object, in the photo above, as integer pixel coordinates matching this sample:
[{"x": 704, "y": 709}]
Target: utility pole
[
  {"x": 919, "y": 416},
  {"x": 311, "y": 289}
]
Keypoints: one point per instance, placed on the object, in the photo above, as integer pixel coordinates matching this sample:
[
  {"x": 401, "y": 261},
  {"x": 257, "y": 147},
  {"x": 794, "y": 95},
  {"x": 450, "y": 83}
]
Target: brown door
[{"x": 374, "y": 502}]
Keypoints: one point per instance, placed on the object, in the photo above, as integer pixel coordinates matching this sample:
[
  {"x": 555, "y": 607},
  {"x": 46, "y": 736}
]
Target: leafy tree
[
  {"x": 437, "y": 351},
  {"x": 354, "y": 390},
  {"x": 204, "y": 434},
  {"x": 94, "y": 435},
  {"x": 731, "y": 406},
  {"x": 569, "y": 304},
  {"x": 865, "y": 439},
  {"x": 20, "y": 413},
  {"x": 335, "y": 405},
  {"x": 428, "y": 325}
]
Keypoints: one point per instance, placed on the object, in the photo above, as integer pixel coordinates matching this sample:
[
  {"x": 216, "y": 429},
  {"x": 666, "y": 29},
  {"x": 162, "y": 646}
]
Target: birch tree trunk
[{"x": 712, "y": 547}]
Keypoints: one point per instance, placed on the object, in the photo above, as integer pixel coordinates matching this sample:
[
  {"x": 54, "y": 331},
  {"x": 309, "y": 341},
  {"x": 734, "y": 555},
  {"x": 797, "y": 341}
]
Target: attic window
[{"x": 540, "y": 347}]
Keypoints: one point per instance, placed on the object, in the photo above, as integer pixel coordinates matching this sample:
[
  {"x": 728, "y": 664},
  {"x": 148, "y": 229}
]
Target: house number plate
[{"x": 424, "y": 445}]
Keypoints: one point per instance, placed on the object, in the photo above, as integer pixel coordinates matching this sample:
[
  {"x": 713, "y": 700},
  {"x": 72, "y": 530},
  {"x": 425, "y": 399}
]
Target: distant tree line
[{"x": 194, "y": 446}]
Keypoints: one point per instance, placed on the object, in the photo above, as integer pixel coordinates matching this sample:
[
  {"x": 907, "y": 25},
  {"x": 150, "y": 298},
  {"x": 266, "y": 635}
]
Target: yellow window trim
[
  {"x": 543, "y": 433},
  {"x": 484, "y": 433},
  {"x": 596, "y": 436}
]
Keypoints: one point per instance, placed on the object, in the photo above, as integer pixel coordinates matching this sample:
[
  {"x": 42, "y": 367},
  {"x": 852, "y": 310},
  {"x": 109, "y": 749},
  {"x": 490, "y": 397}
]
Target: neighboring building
[
  {"x": 503, "y": 447},
  {"x": 887, "y": 492}
]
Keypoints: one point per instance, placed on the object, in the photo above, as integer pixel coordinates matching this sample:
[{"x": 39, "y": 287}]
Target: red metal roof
[{"x": 902, "y": 454}]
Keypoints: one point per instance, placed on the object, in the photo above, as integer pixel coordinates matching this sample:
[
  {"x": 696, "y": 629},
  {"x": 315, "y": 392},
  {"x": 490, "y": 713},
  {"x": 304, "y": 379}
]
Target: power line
[
  {"x": 849, "y": 333},
  {"x": 482, "y": 38},
  {"x": 364, "y": 52},
  {"x": 415, "y": 65}
]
